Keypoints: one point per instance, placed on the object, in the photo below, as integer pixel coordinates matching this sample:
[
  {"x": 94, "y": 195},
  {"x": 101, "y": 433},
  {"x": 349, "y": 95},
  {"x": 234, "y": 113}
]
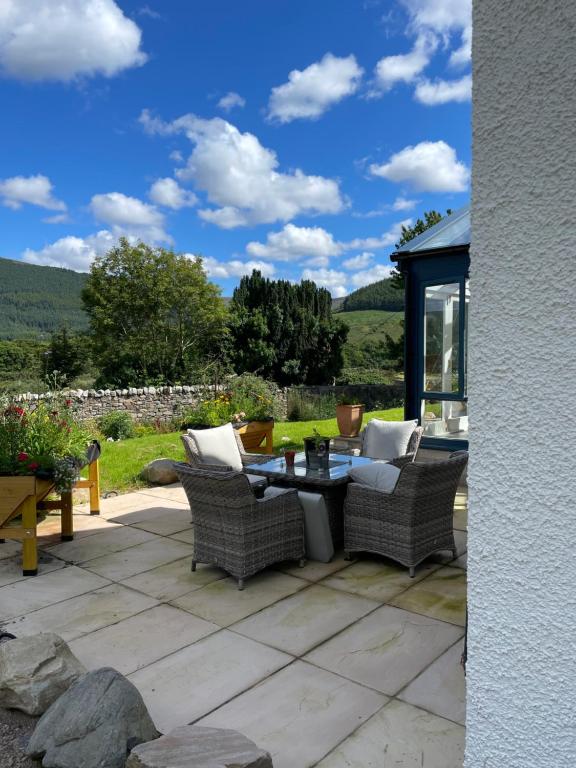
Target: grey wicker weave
[
  {"x": 414, "y": 520},
  {"x": 236, "y": 531},
  {"x": 399, "y": 461}
]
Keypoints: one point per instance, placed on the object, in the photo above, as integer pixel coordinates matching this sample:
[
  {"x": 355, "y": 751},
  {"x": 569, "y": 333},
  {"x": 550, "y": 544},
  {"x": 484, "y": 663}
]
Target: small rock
[
  {"x": 35, "y": 671},
  {"x": 193, "y": 745},
  {"x": 94, "y": 724},
  {"x": 159, "y": 472}
]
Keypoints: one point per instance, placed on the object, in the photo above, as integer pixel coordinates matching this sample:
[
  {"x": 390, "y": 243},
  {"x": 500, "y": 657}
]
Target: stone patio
[{"x": 332, "y": 665}]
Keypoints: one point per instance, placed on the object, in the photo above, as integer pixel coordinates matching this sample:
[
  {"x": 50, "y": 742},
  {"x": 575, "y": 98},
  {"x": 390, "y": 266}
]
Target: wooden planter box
[
  {"x": 20, "y": 500},
  {"x": 257, "y": 436}
]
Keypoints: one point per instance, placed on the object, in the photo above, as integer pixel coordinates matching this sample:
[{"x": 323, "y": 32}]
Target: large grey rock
[
  {"x": 93, "y": 725},
  {"x": 159, "y": 472},
  {"x": 35, "y": 671},
  {"x": 198, "y": 747}
]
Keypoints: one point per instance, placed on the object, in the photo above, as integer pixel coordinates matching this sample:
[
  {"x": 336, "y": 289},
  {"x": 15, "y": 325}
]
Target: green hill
[
  {"x": 381, "y": 295},
  {"x": 36, "y": 300}
]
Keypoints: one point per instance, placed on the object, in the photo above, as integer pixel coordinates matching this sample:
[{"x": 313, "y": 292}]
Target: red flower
[
  {"x": 22, "y": 456},
  {"x": 68, "y": 403},
  {"x": 14, "y": 409},
  {"x": 33, "y": 466}
]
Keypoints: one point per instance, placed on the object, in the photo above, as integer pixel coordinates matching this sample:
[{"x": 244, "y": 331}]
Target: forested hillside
[
  {"x": 36, "y": 300},
  {"x": 381, "y": 295}
]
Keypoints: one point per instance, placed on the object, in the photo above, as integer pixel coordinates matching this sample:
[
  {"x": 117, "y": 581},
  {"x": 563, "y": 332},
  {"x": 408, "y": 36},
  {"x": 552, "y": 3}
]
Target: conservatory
[{"x": 435, "y": 266}]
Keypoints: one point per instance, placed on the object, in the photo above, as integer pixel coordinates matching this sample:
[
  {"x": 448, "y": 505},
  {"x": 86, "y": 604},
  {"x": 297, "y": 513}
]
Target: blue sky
[{"x": 291, "y": 136}]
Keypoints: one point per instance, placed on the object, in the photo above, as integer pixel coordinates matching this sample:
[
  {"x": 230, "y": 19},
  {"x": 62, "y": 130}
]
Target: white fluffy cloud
[
  {"x": 240, "y": 176},
  {"x": 47, "y": 40},
  {"x": 72, "y": 252},
  {"x": 367, "y": 276},
  {"x": 385, "y": 240},
  {"x": 34, "y": 190},
  {"x": 311, "y": 91},
  {"x": 331, "y": 279},
  {"x": 436, "y": 92},
  {"x": 431, "y": 166},
  {"x": 405, "y": 67},
  {"x": 231, "y": 100},
  {"x": 294, "y": 243},
  {"x": 441, "y": 16},
  {"x": 170, "y": 194},
  {"x": 235, "y": 267},
  {"x": 361, "y": 261},
  {"x": 129, "y": 216},
  {"x": 403, "y": 204}
]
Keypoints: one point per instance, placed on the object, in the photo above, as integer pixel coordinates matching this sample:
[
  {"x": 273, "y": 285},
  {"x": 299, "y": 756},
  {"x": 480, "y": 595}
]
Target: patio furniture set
[{"x": 251, "y": 511}]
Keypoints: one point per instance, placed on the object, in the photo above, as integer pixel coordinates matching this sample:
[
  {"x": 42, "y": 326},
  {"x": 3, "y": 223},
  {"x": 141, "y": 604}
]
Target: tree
[
  {"x": 285, "y": 332},
  {"x": 154, "y": 317},
  {"x": 64, "y": 355}
]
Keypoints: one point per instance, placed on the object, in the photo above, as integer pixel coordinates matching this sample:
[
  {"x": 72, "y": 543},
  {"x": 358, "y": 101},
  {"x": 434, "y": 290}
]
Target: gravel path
[{"x": 15, "y": 730}]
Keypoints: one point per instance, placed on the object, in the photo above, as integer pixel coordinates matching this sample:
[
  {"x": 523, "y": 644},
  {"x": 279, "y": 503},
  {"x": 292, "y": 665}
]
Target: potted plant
[
  {"x": 349, "y": 415},
  {"x": 317, "y": 449}
]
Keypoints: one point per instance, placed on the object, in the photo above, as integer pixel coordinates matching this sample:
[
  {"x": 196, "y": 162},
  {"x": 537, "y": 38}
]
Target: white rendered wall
[{"x": 522, "y": 388}]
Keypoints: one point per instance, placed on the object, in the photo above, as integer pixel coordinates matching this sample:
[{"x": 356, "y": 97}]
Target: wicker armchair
[
  {"x": 399, "y": 461},
  {"x": 236, "y": 531},
  {"x": 194, "y": 458},
  {"x": 411, "y": 522}
]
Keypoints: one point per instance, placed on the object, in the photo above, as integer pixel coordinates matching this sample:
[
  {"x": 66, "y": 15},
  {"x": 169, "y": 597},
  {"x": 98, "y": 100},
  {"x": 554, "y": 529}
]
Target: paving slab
[
  {"x": 302, "y": 621},
  {"x": 441, "y": 688},
  {"x": 125, "y": 504},
  {"x": 224, "y": 604},
  {"x": 441, "y": 596},
  {"x": 164, "y": 520},
  {"x": 35, "y": 592},
  {"x": 174, "y": 579},
  {"x": 314, "y": 570},
  {"x": 173, "y": 492},
  {"x": 377, "y": 579},
  {"x": 186, "y": 535},
  {"x": 85, "y": 613},
  {"x": 299, "y": 714},
  {"x": 84, "y": 524},
  {"x": 11, "y": 567},
  {"x": 141, "y": 640},
  {"x": 401, "y": 736},
  {"x": 89, "y": 547},
  {"x": 192, "y": 682},
  {"x": 387, "y": 649},
  {"x": 121, "y": 565}
]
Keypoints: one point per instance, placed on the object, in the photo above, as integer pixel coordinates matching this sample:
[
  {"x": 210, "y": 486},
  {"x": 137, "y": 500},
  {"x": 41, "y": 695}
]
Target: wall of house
[{"x": 522, "y": 384}]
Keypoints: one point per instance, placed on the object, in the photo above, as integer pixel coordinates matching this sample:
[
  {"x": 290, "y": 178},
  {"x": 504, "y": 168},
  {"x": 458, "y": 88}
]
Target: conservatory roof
[{"x": 451, "y": 232}]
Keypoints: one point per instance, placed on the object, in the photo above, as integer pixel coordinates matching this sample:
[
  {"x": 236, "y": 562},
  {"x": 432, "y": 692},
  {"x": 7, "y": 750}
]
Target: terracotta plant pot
[{"x": 349, "y": 418}]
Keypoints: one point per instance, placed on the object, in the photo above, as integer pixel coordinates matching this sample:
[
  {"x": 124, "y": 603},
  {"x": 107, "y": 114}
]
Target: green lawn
[{"x": 120, "y": 463}]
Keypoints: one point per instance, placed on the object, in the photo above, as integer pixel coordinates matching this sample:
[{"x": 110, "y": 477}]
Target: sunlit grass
[{"x": 121, "y": 462}]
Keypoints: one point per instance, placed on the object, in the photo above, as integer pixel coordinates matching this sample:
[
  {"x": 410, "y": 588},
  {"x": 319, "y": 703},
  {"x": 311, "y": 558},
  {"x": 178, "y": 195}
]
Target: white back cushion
[
  {"x": 387, "y": 439},
  {"x": 218, "y": 446},
  {"x": 380, "y": 475}
]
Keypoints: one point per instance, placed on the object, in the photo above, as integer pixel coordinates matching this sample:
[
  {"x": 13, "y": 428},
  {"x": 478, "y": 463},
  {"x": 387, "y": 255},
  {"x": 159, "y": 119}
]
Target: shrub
[
  {"x": 242, "y": 398},
  {"x": 117, "y": 424},
  {"x": 302, "y": 406}
]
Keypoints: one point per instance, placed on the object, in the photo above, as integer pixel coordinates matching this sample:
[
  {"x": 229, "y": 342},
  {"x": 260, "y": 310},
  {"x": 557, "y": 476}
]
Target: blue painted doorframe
[{"x": 421, "y": 269}]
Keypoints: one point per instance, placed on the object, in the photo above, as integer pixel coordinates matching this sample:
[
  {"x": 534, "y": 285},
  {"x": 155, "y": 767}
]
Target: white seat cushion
[
  {"x": 387, "y": 439},
  {"x": 218, "y": 446},
  {"x": 379, "y": 474}
]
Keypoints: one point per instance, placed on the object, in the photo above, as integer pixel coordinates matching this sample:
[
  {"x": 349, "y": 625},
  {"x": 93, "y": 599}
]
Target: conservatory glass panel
[
  {"x": 442, "y": 338},
  {"x": 445, "y": 418}
]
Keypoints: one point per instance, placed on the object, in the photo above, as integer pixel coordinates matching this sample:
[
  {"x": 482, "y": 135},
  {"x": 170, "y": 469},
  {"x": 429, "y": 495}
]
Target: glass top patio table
[{"x": 336, "y": 474}]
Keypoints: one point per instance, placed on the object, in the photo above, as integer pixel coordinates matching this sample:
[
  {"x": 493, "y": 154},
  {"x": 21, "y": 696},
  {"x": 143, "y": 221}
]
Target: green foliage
[
  {"x": 65, "y": 355},
  {"x": 155, "y": 318},
  {"x": 43, "y": 439},
  {"x": 117, "y": 424},
  {"x": 35, "y": 300},
  {"x": 244, "y": 398},
  {"x": 303, "y": 406},
  {"x": 366, "y": 376},
  {"x": 366, "y": 346},
  {"x": 285, "y": 332},
  {"x": 21, "y": 364},
  {"x": 383, "y": 295}
]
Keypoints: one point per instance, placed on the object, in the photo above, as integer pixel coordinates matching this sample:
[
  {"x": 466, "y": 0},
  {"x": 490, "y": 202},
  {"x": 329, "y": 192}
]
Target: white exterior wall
[{"x": 522, "y": 388}]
